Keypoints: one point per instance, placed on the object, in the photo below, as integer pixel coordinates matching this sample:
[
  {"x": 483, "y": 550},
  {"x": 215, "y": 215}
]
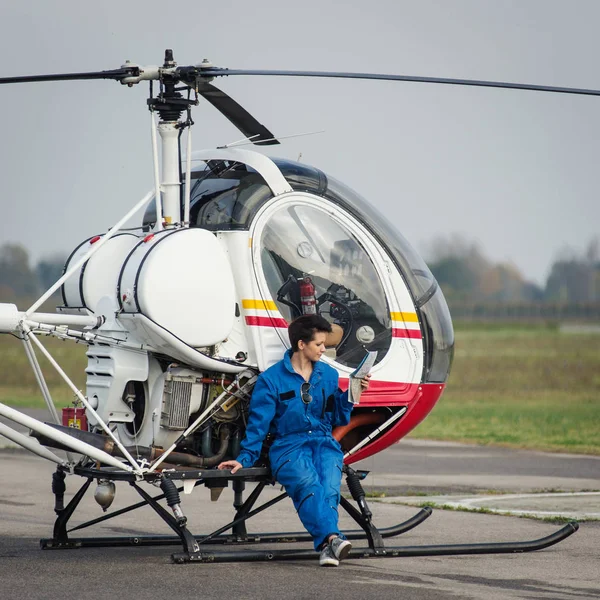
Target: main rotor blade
[
  {"x": 114, "y": 74},
  {"x": 238, "y": 115},
  {"x": 218, "y": 72}
]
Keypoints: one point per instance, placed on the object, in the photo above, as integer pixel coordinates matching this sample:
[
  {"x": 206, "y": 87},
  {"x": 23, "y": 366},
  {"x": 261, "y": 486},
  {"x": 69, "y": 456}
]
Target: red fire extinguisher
[{"x": 308, "y": 299}]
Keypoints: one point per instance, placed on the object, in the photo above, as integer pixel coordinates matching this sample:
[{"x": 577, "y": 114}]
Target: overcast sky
[{"x": 515, "y": 171}]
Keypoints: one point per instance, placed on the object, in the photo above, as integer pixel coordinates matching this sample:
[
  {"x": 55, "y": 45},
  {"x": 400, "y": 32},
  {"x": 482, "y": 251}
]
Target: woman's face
[{"x": 315, "y": 348}]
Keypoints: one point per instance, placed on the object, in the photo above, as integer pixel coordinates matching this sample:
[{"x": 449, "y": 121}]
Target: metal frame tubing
[
  {"x": 62, "y": 438},
  {"x": 227, "y": 539},
  {"x": 30, "y": 444},
  {"x": 123, "y": 511},
  {"x": 243, "y": 513}
]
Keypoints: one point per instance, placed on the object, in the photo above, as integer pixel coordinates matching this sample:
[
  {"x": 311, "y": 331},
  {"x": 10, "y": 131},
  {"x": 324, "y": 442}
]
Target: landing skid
[
  {"x": 192, "y": 545},
  {"x": 390, "y": 552}
]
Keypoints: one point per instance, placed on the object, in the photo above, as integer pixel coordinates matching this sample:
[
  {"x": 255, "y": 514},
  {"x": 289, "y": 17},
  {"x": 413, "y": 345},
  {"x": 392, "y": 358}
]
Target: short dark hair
[{"x": 304, "y": 328}]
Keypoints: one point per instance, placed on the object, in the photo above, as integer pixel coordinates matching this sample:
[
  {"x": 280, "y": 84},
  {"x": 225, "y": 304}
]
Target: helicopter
[{"x": 182, "y": 313}]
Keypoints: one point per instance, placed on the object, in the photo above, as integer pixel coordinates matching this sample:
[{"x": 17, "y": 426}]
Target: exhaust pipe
[
  {"x": 61, "y": 437},
  {"x": 106, "y": 444}
]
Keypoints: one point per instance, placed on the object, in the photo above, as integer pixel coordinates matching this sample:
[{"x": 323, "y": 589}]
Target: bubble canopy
[{"x": 226, "y": 195}]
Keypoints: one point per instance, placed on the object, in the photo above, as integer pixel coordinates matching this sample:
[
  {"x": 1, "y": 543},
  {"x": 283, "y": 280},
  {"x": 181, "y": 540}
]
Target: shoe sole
[
  {"x": 344, "y": 551},
  {"x": 329, "y": 563}
]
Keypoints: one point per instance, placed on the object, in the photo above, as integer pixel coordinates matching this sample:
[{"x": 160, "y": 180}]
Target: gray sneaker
[
  {"x": 340, "y": 547},
  {"x": 327, "y": 557}
]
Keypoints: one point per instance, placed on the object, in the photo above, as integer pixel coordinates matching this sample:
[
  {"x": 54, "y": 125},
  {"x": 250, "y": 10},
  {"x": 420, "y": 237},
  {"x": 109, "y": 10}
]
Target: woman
[{"x": 298, "y": 402}]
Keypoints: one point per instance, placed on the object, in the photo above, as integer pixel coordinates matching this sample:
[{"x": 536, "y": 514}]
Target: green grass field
[
  {"x": 18, "y": 386},
  {"x": 523, "y": 386}
]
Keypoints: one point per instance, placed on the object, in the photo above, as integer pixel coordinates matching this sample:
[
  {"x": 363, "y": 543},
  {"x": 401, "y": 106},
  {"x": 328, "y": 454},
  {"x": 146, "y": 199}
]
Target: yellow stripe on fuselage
[
  {"x": 259, "y": 304},
  {"x": 406, "y": 317}
]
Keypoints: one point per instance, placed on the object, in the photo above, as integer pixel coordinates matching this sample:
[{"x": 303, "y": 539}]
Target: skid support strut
[
  {"x": 365, "y": 516},
  {"x": 60, "y": 526},
  {"x": 60, "y": 537},
  {"x": 178, "y": 523}
]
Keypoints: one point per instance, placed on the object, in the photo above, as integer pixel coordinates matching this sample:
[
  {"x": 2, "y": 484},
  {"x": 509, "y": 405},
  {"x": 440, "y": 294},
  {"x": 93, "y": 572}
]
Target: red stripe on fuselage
[
  {"x": 397, "y": 332},
  {"x": 266, "y": 322},
  {"x": 406, "y": 333}
]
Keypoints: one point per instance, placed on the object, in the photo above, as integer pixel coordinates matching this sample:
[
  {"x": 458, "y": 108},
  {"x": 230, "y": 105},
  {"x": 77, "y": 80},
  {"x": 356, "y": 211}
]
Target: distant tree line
[
  {"x": 467, "y": 277},
  {"x": 20, "y": 280}
]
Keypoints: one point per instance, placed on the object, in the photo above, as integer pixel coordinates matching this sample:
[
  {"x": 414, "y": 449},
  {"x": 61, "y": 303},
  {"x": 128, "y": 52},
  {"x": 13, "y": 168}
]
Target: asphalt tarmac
[
  {"x": 411, "y": 472},
  {"x": 499, "y": 480}
]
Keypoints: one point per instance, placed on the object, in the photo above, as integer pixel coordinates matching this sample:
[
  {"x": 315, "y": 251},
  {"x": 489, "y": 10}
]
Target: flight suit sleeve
[
  {"x": 262, "y": 412},
  {"x": 343, "y": 408}
]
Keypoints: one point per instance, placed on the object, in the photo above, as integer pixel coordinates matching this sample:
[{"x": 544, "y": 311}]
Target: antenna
[
  {"x": 238, "y": 142},
  {"x": 247, "y": 141}
]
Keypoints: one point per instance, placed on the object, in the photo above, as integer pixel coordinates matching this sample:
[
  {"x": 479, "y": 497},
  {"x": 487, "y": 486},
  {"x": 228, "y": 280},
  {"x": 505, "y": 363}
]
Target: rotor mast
[{"x": 170, "y": 105}]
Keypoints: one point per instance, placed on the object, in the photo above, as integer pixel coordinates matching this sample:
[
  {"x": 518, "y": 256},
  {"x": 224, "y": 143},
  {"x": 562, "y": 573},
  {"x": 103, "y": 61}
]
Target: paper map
[{"x": 364, "y": 368}]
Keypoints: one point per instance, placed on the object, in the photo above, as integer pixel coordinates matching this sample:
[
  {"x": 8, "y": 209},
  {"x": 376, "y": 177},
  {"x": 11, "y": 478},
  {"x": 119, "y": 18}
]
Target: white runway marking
[{"x": 482, "y": 501}]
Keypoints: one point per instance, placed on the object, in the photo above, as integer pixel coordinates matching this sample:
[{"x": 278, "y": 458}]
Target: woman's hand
[
  {"x": 233, "y": 465},
  {"x": 365, "y": 381}
]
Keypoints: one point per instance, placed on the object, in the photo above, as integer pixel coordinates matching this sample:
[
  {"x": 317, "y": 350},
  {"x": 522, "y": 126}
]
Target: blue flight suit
[{"x": 304, "y": 456}]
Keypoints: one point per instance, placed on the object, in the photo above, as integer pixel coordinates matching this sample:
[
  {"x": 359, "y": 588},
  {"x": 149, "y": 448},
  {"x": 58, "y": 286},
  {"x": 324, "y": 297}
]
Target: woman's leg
[
  {"x": 329, "y": 460},
  {"x": 294, "y": 468}
]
